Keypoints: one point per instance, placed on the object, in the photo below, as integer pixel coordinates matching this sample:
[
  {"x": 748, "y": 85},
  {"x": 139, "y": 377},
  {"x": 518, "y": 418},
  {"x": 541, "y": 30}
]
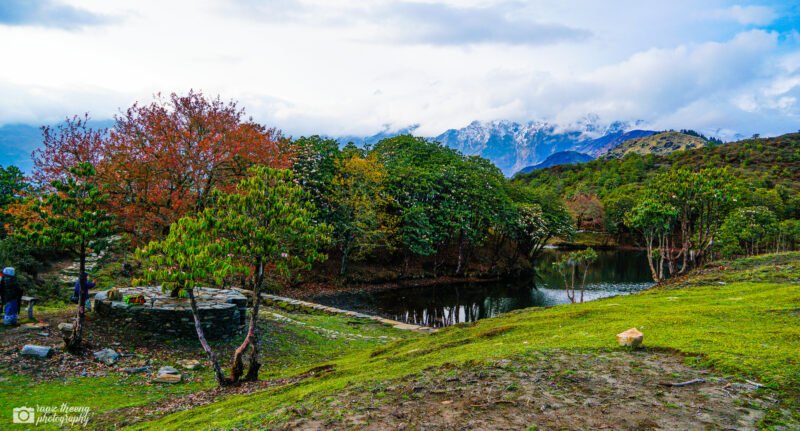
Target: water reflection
[{"x": 615, "y": 273}]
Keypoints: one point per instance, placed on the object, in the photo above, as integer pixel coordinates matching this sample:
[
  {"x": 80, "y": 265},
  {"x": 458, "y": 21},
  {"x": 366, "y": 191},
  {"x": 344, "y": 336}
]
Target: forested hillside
[{"x": 743, "y": 196}]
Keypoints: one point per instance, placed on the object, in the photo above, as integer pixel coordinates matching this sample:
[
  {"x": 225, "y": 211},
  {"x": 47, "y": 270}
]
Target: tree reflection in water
[{"x": 615, "y": 273}]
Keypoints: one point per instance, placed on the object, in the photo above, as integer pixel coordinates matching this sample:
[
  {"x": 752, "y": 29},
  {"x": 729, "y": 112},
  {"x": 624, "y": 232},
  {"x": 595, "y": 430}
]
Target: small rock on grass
[
  {"x": 630, "y": 338},
  {"x": 167, "y": 374},
  {"x": 190, "y": 364},
  {"x": 36, "y": 351},
  {"x": 107, "y": 356}
]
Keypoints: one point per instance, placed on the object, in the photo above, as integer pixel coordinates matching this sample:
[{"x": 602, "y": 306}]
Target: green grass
[
  {"x": 100, "y": 394},
  {"x": 746, "y": 329},
  {"x": 287, "y": 349}
]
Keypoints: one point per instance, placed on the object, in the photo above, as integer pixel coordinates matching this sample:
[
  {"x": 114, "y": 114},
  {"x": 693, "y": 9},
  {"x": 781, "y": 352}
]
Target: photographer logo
[
  {"x": 63, "y": 415},
  {"x": 24, "y": 415}
]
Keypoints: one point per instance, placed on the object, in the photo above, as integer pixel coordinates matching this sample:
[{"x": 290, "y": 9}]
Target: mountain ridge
[{"x": 560, "y": 158}]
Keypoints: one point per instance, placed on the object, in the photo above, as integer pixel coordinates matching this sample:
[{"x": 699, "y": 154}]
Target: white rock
[
  {"x": 631, "y": 338},
  {"x": 36, "y": 351}
]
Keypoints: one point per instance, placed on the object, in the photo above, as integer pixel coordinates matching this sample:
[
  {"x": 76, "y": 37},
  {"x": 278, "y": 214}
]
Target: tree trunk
[
  {"x": 345, "y": 254},
  {"x": 460, "y": 265},
  {"x": 583, "y": 281},
  {"x": 650, "y": 259},
  {"x": 75, "y": 340},
  {"x": 202, "y": 337},
  {"x": 237, "y": 363}
]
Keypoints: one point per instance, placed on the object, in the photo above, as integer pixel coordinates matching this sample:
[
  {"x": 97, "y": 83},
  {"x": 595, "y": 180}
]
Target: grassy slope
[
  {"x": 659, "y": 144},
  {"x": 287, "y": 351},
  {"x": 749, "y": 329}
]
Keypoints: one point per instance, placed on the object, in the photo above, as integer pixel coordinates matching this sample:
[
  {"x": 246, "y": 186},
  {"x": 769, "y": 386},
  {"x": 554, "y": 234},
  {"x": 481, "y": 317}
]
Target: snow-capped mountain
[{"x": 513, "y": 146}]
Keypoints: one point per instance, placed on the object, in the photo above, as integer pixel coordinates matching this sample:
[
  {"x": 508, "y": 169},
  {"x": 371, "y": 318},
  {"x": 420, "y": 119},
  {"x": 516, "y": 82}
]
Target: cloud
[
  {"x": 422, "y": 23},
  {"x": 747, "y": 15},
  {"x": 46, "y": 13},
  {"x": 442, "y": 24}
]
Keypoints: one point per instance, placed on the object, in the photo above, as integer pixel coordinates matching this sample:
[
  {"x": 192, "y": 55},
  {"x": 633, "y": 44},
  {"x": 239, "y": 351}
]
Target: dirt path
[{"x": 546, "y": 391}]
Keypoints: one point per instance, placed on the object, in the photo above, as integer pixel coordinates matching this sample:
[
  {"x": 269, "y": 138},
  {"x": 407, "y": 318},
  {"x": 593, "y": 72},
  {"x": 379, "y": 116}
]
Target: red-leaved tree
[{"x": 163, "y": 159}]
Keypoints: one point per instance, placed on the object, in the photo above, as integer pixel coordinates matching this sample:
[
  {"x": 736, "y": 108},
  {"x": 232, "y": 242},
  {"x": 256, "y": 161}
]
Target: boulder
[
  {"x": 630, "y": 338},
  {"x": 65, "y": 329},
  {"x": 107, "y": 356},
  {"x": 36, "y": 351}
]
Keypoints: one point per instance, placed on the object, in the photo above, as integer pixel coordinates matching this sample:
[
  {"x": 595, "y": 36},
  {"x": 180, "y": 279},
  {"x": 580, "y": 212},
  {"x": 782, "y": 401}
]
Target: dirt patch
[{"x": 546, "y": 391}]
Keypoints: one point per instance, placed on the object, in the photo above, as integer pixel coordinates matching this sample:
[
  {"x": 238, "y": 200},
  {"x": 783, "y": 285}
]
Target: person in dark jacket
[
  {"x": 11, "y": 295},
  {"x": 87, "y": 284}
]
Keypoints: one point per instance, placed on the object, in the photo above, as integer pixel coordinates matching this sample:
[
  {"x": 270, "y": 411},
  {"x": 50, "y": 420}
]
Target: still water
[{"x": 616, "y": 272}]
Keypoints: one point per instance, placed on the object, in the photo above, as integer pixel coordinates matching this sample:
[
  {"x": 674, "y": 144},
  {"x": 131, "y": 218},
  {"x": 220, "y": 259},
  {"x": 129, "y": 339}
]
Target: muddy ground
[{"x": 547, "y": 391}]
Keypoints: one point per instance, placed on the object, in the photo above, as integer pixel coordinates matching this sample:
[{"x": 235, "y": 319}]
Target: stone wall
[{"x": 222, "y": 312}]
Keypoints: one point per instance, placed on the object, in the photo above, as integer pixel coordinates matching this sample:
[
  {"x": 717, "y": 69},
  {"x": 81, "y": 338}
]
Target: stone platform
[{"x": 222, "y": 311}]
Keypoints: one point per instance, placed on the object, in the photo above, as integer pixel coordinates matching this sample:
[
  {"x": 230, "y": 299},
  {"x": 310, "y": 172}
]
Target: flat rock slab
[
  {"x": 190, "y": 364},
  {"x": 135, "y": 370},
  {"x": 168, "y": 370},
  {"x": 168, "y": 378},
  {"x": 36, "y": 351}
]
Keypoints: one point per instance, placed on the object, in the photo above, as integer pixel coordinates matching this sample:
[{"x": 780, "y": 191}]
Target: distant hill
[
  {"x": 17, "y": 141},
  {"x": 774, "y": 161},
  {"x": 559, "y": 158},
  {"x": 658, "y": 144}
]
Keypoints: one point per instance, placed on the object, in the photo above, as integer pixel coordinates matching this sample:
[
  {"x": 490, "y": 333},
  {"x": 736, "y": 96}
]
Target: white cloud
[
  {"x": 323, "y": 66},
  {"x": 756, "y": 15}
]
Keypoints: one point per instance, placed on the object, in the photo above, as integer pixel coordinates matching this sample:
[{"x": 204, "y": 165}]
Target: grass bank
[{"x": 741, "y": 319}]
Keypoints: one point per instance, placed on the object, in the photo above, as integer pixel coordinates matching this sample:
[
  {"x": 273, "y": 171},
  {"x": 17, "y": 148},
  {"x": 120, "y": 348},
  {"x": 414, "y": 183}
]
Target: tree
[
  {"x": 12, "y": 187},
  {"x": 541, "y": 216},
  {"x": 655, "y": 220},
  {"x": 72, "y": 218},
  {"x": 266, "y": 230},
  {"x": 587, "y": 210},
  {"x": 65, "y": 146},
  {"x": 314, "y": 167},
  {"x": 702, "y": 200},
  {"x": 747, "y": 230},
  {"x": 163, "y": 160},
  {"x": 788, "y": 237},
  {"x": 262, "y": 231},
  {"x": 359, "y": 216},
  {"x": 185, "y": 259},
  {"x": 577, "y": 262}
]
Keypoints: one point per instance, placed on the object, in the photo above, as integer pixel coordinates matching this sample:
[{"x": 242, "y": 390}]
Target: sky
[{"x": 356, "y": 67}]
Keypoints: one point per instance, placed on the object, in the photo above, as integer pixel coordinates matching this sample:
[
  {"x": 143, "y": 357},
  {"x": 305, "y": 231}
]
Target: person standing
[
  {"x": 82, "y": 285},
  {"x": 11, "y": 295}
]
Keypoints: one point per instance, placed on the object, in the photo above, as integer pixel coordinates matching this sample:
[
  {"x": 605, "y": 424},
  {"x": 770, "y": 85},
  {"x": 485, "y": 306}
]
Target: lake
[{"x": 616, "y": 272}]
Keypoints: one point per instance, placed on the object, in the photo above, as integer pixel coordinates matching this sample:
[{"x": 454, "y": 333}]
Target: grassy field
[
  {"x": 292, "y": 341},
  {"x": 746, "y": 329},
  {"x": 739, "y": 319}
]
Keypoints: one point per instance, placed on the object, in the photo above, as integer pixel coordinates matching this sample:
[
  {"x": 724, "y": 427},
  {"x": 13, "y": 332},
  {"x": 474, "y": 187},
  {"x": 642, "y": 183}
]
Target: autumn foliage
[{"x": 160, "y": 161}]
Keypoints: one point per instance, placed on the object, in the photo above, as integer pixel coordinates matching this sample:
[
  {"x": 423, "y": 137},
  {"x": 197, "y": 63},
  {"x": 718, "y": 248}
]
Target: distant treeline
[{"x": 734, "y": 199}]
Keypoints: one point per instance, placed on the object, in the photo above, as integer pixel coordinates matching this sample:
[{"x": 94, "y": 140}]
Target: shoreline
[{"x": 311, "y": 291}]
